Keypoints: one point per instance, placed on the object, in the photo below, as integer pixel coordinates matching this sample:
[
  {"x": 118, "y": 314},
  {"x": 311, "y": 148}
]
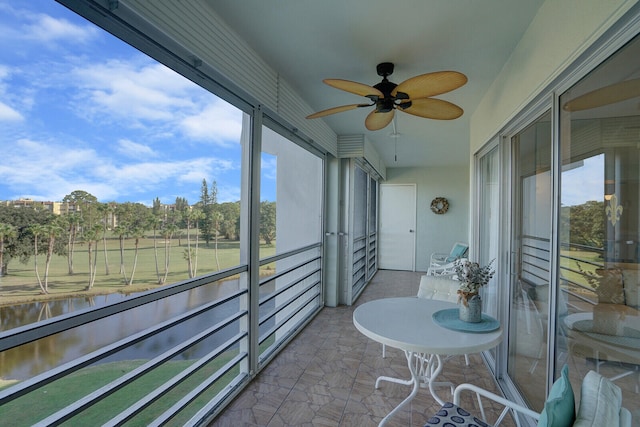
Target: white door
[{"x": 397, "y": 249}]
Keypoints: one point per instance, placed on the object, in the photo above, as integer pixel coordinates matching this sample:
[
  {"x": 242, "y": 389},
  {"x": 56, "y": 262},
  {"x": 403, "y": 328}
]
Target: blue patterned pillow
[{"x": 451, "y": 415}]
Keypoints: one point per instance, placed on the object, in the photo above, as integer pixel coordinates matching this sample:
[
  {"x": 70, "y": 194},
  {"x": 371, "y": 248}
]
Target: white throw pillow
[{"x": 600, "y": 402}]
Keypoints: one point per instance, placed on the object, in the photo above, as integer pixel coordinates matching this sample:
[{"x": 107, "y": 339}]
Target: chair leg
[
  {"x": 384, "y": 351},
  {"x": 466, "y": 359}
]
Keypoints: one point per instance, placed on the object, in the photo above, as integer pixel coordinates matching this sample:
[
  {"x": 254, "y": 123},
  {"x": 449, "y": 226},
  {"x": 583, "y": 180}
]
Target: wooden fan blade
[
  {"x": 604, "y": 96},
  {"x": 431, "y": 108},
  {"x": 377, "y": 121},
  {"x": 354, "y": 87},
  {"x": 334, "y": 110},
  {"x": 431, "y": 84}
]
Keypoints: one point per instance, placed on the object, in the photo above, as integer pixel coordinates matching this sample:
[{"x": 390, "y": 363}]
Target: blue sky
[
  {"x": 82, "y": 110},
  {"x": 584, "y": 182}
]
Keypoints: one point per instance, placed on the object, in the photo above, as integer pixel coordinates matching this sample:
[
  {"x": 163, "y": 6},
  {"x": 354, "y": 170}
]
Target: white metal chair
[
  {"x": 439, "y": 259},
  {"x": 600, "y": 405},
  {"x": 448, "y": 269}
]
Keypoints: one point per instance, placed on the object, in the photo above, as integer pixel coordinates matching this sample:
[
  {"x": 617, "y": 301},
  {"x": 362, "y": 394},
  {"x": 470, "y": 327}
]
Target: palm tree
[
  {"x": 107, "y": 211},
  {"x": 37, "y": 230},
  {"x": 7, "y": 231},
  {"x": 167, "y": 232},
  {"x": 121, "y": 231},
  {"x": 192, "y": 217},
  {"x": 91, "y": 237},
  {"x": 154, "y": 223},
  {"x": 52, "y": 230},
  {"x": 136, "y": 233},
  {"x": 198, "y": 216},
  {"x": 217, "y": 219},
  {"x": 73, "y": 220}
]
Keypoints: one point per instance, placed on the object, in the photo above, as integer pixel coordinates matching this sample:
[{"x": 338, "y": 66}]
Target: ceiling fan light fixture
[{"x": 385, "y": 105}]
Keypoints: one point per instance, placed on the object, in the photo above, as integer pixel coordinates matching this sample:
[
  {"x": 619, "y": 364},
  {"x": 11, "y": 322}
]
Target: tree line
[{"x": 36, "y": 232}]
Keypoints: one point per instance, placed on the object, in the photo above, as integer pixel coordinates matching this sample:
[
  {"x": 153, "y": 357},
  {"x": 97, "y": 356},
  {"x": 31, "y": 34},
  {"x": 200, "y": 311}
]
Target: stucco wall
[
  {"x": 436, "y": 233},
  {"x": 560, "y": 32}
]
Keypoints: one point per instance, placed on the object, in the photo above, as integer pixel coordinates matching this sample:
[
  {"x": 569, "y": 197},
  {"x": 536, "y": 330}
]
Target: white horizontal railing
[{"x": 294, "y": 296}]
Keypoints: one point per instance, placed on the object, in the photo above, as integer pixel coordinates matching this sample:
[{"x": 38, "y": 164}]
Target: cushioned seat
[{"x": 455, "y": 416}]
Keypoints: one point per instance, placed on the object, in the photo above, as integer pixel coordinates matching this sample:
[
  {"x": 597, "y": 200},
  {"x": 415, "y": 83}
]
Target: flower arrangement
[{"x": 472, "y": 277}]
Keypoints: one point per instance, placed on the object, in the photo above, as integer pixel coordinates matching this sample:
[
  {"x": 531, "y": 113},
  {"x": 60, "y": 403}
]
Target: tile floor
[{"x": 326, "y": 375}]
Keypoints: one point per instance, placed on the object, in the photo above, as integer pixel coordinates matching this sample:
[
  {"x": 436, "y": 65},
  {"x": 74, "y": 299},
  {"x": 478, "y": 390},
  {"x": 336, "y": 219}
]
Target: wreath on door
[{"x": 439, "y": 205}]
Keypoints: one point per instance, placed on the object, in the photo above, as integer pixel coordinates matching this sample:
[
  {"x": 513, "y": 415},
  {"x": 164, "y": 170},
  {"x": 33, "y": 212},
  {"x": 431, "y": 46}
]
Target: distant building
[{"x": 57, "y": 208}]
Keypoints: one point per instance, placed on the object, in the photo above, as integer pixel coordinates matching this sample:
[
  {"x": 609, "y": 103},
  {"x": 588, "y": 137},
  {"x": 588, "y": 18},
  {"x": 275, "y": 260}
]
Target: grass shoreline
[
  {"x": 53, "y": 296},
  {"x": 20, "y": 285}
]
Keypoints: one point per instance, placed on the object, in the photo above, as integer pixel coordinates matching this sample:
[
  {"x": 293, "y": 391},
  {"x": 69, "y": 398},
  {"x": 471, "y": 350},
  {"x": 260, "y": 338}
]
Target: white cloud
[
  {"x": 229, "y": 194},
  {"x": 218, "y": 122},
  {"x": 143, "y": 94},
  {"x": 25, "y": 22},
  {"x": 49, "y": 171},
  {"x": 140, "y": 118},
  {"x": 269, "y": 166},
  {"x": 47, "y": 29},
  {"x": 134, "y": 150},
  {"x": 132, "y": 92},
  {"x": 8, "y": 114}
]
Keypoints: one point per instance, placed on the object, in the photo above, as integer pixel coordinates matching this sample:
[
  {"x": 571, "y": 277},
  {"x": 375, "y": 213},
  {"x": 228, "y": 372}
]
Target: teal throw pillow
[{"x": 560, "y": 407}]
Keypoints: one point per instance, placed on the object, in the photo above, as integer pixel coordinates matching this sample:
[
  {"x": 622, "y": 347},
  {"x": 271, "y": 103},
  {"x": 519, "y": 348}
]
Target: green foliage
[
  {"x": 86, "y": 205},
  {"x": 585, "y": 224},
  {"x": 7, "y": 232},
  {"x": 230, "y": 226},
  {"x": 210, "y": 223},
  {"x": 20, "y": 246},
  {"x": 268, "y": 221}
]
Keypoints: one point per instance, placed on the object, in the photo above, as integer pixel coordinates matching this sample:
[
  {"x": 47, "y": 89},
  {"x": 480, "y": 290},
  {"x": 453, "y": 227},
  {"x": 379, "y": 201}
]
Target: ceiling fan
[{"x": 412, "y": 96}]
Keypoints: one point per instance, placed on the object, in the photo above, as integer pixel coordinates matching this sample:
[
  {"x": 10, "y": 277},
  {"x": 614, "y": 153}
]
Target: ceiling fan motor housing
[
  {"x": 388, "y": 103},
  {"x": 385, "y": 104}
]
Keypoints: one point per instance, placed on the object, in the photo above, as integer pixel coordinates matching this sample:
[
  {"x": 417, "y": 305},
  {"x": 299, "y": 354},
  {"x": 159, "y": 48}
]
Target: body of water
[{"x": 31, "y": 359}]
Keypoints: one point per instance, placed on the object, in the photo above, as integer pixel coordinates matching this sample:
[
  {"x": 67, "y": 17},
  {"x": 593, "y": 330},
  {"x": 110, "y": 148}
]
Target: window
[
  {"x": 599, "y": 272},
  {"x": 142, "y": 178},
  {"x": 291, "y": 190},
  {"x": 125, "y": 174}
]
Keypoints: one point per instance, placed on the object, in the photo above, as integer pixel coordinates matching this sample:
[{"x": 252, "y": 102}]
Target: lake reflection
[{"x": 34, "y": 358}]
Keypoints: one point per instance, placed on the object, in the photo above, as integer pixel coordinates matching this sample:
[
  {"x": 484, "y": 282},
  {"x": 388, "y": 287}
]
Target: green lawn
[
  {"x": 37, "y": 405},
  {"x": 20, "y": 284}
]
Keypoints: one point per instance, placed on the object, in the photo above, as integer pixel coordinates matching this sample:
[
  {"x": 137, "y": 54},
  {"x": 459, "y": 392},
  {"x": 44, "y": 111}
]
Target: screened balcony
[
  {"x": 326, "y": 375},
  {"x": 185, "y": 345}
]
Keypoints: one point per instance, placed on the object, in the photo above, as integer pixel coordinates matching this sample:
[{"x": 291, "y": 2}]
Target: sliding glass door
[
  {"x": 598, "y": 318},
  {"x": 530, "y": 255}
]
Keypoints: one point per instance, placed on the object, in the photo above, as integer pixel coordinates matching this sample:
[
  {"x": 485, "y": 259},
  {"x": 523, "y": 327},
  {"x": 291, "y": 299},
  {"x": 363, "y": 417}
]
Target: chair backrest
[
  {"x": 458, "y": 250},
  {"x": 438, "y": 288}
]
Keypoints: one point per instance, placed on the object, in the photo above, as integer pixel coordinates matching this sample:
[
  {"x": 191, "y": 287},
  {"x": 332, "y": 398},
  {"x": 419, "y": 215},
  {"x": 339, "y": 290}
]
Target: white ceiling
[{"x": 306, "y": 41}]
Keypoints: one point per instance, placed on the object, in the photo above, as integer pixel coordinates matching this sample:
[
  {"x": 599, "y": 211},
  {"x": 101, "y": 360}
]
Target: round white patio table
[{"x": 407, "y": 324}]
